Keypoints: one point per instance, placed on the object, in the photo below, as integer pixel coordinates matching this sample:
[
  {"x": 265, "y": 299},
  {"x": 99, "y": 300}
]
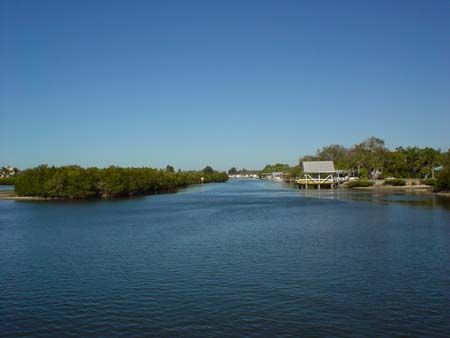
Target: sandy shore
[
  {"x": 379, "y": 187},
  {"x": 12, "y": 196},
  {"x": 413, "y": 186},
  {"x": 443, "y": 194}
]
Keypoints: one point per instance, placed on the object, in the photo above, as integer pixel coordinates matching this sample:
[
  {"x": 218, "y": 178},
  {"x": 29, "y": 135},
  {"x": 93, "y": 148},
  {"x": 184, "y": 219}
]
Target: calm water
[{"x": 243, "y": 258}]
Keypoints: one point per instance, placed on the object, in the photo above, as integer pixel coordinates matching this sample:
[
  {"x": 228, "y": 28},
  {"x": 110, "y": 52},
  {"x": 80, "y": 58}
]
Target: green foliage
[
  {"x": 443, "y": 180},
  {"x": 279, "y": 167},
  {"x": 295, "y": 171},
  {"x": 77, "y": 182},
  {"x": 371, "y": 157},
  {"x": 368, "y": 156},
  {"x": 170, "y": 169},
  {"x": 232, "y": 171},
  {"x": 336, "y": 153},
  {"x": 7, "y": 180},
  {"x": 429, "y": 181},
  {"x": 208, "y": 170},
  {"x": 396, "y": 165},
  {"x": 291, "y": 172},
  {"x": 243, "y": 171},
  {"x": 363, "y": 173},
  {"x": 397, "y": 182},
  {"x": 360, "y": 183}
]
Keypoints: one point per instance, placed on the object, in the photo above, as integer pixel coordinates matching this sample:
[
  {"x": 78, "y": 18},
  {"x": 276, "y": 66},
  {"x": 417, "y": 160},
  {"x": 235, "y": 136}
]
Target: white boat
[{"x": 277, "y": 177}]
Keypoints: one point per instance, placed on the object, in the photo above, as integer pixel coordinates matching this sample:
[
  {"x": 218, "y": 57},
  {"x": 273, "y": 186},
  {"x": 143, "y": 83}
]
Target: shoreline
[
  {"x": 10, "y": 195},
  {"x": 379, "y": 187},
  {"x": 421, "y": 187},
  {"x": 442, "y": 194},
  {"x": 415, "y": 189}
]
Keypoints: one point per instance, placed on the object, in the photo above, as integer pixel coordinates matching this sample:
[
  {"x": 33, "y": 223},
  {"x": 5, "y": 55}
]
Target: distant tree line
[
  {"x": 234, "y": 171},
  {"x": 112, "y": 182},
  {"x": 278, "y": 167}
]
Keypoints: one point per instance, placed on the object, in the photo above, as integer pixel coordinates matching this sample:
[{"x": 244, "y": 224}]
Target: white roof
[{"x": 318, "y": 167}]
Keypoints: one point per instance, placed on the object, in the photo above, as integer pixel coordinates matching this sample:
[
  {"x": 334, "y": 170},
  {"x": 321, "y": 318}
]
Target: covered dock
[{"x": 317, "y": 174}]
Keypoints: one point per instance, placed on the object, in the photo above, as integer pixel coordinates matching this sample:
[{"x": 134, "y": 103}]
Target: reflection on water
[
  {"x": 412, "y": 198},
  {"x": 6, "y": 187}
]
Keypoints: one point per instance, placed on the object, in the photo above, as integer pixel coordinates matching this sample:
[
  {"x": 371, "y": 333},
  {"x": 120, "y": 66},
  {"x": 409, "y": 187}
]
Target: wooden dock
[{"x": 316, "y": 183}]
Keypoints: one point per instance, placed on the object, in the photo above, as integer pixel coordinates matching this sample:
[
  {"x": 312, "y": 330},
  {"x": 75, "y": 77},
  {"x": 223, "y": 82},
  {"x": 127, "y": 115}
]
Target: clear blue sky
[{"x": 225, "y": 83}]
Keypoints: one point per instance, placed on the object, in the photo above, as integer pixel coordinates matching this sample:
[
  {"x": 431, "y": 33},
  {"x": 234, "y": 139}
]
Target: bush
[
  {"x": 429, "y": 181},
  {"x": 360, "y": 183},
  {"x": 397, "y": 182},
  {"x": 443, "y": 180},
  {"x": 363, "y": 173},
  {"x": 7, "y": 180}
]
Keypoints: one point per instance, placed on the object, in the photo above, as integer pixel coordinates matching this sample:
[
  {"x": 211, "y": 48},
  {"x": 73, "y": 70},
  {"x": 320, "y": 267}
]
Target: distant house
[
  {"x": 8, "y": 171},
  {"x": 274, "y": 176},
  {"x": 317, "y": 173}
]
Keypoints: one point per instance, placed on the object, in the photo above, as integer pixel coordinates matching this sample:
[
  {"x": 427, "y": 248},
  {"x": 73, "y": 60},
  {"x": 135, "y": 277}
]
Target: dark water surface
[{"x": 243, "y": 258}]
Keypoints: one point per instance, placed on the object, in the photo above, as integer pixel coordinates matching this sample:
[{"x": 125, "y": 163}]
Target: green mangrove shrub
[
  {"x": 397, "y": 182},
  {"x": 7, "y": 180},
  {"x": 78, "y": 183},
  {"x": 360, "y": 183},
  {"x": 429, "y": 181},
  {"x": 443, "y": 180}
]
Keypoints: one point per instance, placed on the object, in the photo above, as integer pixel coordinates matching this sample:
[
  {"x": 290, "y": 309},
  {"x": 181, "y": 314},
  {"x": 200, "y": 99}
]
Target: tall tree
[
  {"x": 336, "y": 153},
  {"x": 232, "y": 171},
  {"x": 208, "y": 170}
]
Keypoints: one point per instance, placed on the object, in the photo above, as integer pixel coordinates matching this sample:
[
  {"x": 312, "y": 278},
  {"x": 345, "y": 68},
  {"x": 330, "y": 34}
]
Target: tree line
[
  {"x": 112, "y": 182},
  {"x": 372, "y": 159},
  {"x": 243, "y": 171}
]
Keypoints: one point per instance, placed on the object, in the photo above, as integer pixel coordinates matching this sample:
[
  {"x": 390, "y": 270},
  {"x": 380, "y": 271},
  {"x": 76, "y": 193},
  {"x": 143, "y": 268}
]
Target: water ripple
[{"x": 224, "y": 260}]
